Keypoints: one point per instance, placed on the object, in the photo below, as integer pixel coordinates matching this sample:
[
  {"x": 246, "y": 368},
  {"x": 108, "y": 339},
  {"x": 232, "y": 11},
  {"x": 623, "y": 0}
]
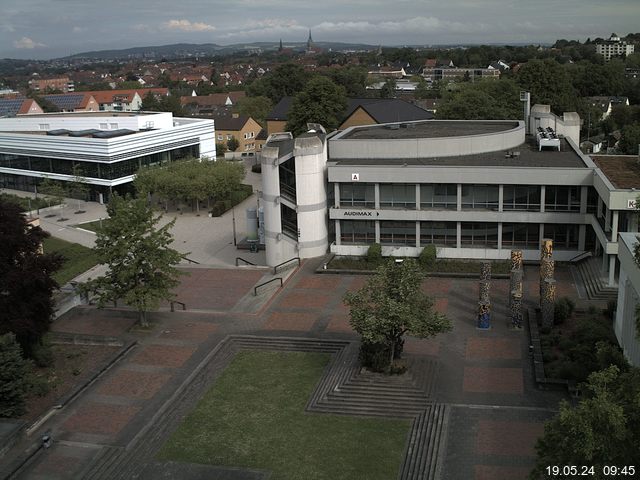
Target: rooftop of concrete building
[
  {"x": 525, "y": 155},
  {"x": 623, "y": 171},
  {"x": 428, "y": 129}
]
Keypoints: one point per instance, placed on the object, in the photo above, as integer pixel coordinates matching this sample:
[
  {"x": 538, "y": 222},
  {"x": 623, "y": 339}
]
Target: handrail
[
  {"x": 255, "y": 289},
  {"x": 275, "y": 269},
  {"x": 184, "y": 257},
  {"x": 245, "y": 261},
  {"x": 581, "y": 256},
  {"x": 184, "y": 305}
]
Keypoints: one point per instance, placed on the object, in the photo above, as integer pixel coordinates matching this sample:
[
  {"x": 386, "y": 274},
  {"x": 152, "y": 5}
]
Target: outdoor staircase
[{"x": 594, "y": 283}]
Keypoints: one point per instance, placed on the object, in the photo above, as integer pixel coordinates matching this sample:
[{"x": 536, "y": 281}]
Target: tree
[
  {"x": 483, "y": 100},
  {"x": 255, "y": 107},
  {"x": 149, "y": 103},
  {"x": 392, "y": 304},
  {"x": 26, "y": 285},
  {"x": 321, "y": 101},
  {"x": 52, "y": 190},
  {"x": 549, "y": 83},
  {"x": 388, "y": 90},
  {"x": 285, "y": 81},
  {"x": 14, "y": 374},
  {"x": 233, "y": 144},
  {"x": 221, "y": 148},
  {"x": 353, "y": 78},
  {"x": 602, "y": 430},
  {"x": 630, "y": 140},
  {"x": 78, "y": 187},
  {"x": 140, "y": 263}
]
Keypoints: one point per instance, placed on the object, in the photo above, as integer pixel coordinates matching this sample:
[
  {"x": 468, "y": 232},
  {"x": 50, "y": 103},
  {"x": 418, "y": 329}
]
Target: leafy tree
[
  {"x": 549, "y": 83},
  {"x": 14, "y": 374},
  {"x": 285, "y": 81},
  {"x": 321, "y": 101},
  {"x": 392, "y": 304},
  {"x": 630, "y": 140},
  {"x": 255, "y": 107},
  {"x": 26, "y": 285},
  {"x": 53, "y": 191},
  {"x": 78, "y": 187},
  {"x": 388, "y": 90},
  {"x": 150, "y": 103},
  {"x": 141, "y": 265},
  {"x": 602, "y": 430},
  {"x": 483, "y": 100},
  {"x": 353, "y": 78},
  {"x": 233, "y": 144},
  {"x": 221, "y": 148}
]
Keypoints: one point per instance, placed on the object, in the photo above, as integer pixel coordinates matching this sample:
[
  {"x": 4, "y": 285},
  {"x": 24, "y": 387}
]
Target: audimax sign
[{"x": 360, "y": 213}]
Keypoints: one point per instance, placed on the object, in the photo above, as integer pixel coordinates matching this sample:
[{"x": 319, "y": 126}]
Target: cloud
[
  {"x": 415, "y": 25},
  {"x": 187, "y": 26},
  {"x": 141, "y": 27},
  {"x": 27, "y": 43},
  {"x": 79, "y": 29},
  {"x": 7, "y": 28}
]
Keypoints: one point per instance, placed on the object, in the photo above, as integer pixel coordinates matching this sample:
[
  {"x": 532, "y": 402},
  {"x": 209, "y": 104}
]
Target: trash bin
[{"x": 253, "y": 247}]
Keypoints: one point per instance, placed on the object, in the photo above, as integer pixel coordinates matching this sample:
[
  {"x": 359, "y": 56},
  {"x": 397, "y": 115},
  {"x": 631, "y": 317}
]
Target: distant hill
[{"x": 205, "y": 49}]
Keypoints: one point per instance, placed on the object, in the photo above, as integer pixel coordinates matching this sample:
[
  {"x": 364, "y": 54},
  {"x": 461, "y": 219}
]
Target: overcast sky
[{"x": 54, "y": 28}]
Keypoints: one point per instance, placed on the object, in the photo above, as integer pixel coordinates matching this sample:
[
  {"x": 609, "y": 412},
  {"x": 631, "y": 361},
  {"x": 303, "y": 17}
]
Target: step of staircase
[{"x": 595, "y": 285}]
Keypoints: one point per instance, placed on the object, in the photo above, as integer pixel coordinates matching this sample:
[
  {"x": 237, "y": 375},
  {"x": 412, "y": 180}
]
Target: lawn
[
  {"x": 78, "y": 259},
  {"x": 92, "y": 226},
  {"x": 28, "y": 203},
  {"x": 253, "y": 417}
]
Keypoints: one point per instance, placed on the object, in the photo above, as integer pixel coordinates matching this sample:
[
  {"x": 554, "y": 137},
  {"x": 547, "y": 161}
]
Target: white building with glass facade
[
  {"x": 106, "y": 148},
  {"x": 475, "y": 189}
]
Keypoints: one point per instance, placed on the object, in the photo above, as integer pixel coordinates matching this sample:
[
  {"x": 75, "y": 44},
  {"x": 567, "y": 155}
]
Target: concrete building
[
  {"x": 614, "y": 47},
  {"x": 64, "y": 84},
  {"x": 628, "y": 299},
  {"x": 108, "y": 148}
]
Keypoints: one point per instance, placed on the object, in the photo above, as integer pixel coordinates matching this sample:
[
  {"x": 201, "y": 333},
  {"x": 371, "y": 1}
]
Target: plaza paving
[{"x": 495, "y": 410}]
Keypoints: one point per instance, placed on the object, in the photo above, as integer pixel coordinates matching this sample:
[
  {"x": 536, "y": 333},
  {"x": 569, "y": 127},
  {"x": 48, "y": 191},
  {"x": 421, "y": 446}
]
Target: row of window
[
  {"x": 444, "y": 234},
  {"x": 108, "y": 171},
  {"x": 483, "y": 197}
]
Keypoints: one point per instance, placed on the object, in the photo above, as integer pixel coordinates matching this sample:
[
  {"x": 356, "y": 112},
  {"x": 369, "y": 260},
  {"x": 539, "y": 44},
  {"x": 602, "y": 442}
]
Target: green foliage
[
  {"x": 601, "y": 430},
  {"x": 26, "y": 281},
  {"x": 563, "y": 309},
  {"x": 353, "y": 78},
  {"x": 255, "y": 107},
  {"x": 141, "y": 265},
  {"x": 26, "y": 204},
  {"x": 549, "y": 84},
  {"x": 388, "y": 90},
  {"x": 233, "y": 144},
  {"x": 285, "y": 81},
  {"x": 483, "y": 100},
  {"x": 610, "y": 311},
  {"x": 321, "y": 101},
  {"x": 427, "y": 258},
  {"x": 14, "y": 373},
  {"x": 374, "y": 255},
  {"x": 375, "y": 356},
  {"x": 52, "y": 190},
  {"x": 630, "y": 140},
  {"x": 391, "y": 304},
  {"x": 43, "y": 355},
  {"x": 221, "y": 149},
  {"x": 76, "y": 258}
]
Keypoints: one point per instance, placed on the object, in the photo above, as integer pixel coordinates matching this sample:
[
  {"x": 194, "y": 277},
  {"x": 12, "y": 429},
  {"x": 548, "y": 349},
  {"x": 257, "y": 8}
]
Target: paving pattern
[{"x": 475, "y": 406}]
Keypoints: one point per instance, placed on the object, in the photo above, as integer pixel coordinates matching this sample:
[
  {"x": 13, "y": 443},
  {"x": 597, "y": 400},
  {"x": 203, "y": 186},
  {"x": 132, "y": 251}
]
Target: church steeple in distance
[
  {"x": 309, "y": 41},
  {"x": 280, "y": 47}
]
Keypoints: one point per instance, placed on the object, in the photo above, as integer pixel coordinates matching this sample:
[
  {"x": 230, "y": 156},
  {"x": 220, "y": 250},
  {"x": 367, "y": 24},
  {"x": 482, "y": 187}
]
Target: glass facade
[
  {"x": 398, "y": 233},
  {"x": 441, "y": 196},
  {"x": 398, "y": 195},
  {"x": 289, "y": 219},
  {"x": 357, "y": 195},
  {"x": 521, "y": 197},
  {"x": 354, "y": 232},
  {"x": 442, "y": 234},
  {"x": 565, "y": 237},
  {"x": 483, "y": 197},
  {"x": 562, "y": 199},
  {"x": 520, "y": 235},
  {"x": 479, "y": 234},
  {"x": 287, "y": 171}
]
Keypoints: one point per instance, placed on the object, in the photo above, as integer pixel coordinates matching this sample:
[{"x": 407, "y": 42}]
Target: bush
[
  {"x": 42, "y": 355},
  {"x": 375, "y": 356},
  {"x": 572, "y": 371},
  {"x": 564, "y": 308},
  {"x": 427, "y": 258},
  {"x": 608, "y": 354},
  {"x": 14, "y": 377},
  {"x": 374, "y": 255}
]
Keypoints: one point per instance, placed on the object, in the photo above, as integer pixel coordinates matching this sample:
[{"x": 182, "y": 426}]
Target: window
[
  {"x": 565, "y": 237},
  {"x": 444, "y": 196},
  {"x": 289, "y": 220},
  {"x": 357, "y": 195},
  {"x": 357, "y": 232},
  {"x": 398, "y": 233},
  {"x": 442, "y": 234},
  {"x": 104, "y": 126},
  {"x": 479, "y": 234},
  {"x": 398, "y": 195},
  {"x": 520, "y": 235},
  {"x": 521, "y": 197},
  {"x": 229, "y": 137},
  {"x": 483, "y": 197},
  {"x": 562, "y": 199},
  {"x": 113, "y": 126},
  {"x": 220, "y": 137},
  {"x": 44, "y": 126}
]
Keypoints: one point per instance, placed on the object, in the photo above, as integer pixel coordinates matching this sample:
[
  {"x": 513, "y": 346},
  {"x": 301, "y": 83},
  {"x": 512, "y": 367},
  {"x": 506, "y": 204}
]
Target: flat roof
[
  {"x": 101, "y": 113},
  {"x": 622, "y": 170},
  {"x": 429, "y": 129},
  {"x": 529, "y": 157}
]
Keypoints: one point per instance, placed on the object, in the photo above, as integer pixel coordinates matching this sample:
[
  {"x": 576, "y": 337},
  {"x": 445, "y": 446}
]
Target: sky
[{"x": 43, "y": 29}]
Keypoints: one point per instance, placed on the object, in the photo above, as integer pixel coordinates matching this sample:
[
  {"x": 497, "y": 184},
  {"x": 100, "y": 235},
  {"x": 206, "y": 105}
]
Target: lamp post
[{"x": 233, "y": 219}]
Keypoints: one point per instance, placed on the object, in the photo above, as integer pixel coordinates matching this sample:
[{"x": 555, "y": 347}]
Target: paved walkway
[{"x": 484, "y": 378}]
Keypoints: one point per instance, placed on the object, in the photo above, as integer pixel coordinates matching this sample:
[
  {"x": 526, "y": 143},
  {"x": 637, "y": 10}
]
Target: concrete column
[
  {"x": 458, "y": 235},
  {"x": 582, "y": 236},
  {"x": 614, "y": 226},
  {"x": 500, "y": 203},
  {"x": 584, "y": 192},
  {"x": 459, "y": 198},
  {"x": 500, "y": 230},
  {"x": 541, "y": 236},
  {"x": 599, "y": 211},
  {"x": 336, "y": 194},
  {"x": 417, "y": 196},
  {"x": 612, "y": 271},
  {"x": 338, "y": 233},
  {"x": 607, "y": 221},
  {"x": 543, "y": 191},
  {"x": 418, "y": 234},
  {"x": 376, "y": 191},
  {"x": 377, "y": 231}
]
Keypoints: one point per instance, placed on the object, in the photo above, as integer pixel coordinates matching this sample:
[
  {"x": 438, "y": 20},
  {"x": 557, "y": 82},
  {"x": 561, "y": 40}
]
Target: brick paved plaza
[{"x": 484, "y": 377}]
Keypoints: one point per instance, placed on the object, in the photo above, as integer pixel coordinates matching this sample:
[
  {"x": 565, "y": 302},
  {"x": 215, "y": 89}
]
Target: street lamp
[{"x": 233, "y": 219}]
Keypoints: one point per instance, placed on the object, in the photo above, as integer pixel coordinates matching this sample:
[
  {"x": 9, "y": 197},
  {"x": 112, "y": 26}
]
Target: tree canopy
[
  {"x": 321, "y": 101},
  {"x": 285, "y": 81},
  {"x": 483, "y": 100},
  {"x": 549, "y": 84},
  {"x": 26, "y": 285},
  {"x": 255, "y": 107},
  {"x": 14, "y": 377},
  {"x": 141, "y": 265},
  {"x": 392, "y": 304}
]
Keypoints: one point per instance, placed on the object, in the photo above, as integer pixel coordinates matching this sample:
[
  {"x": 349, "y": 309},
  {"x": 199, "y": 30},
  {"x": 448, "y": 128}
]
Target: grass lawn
[
  {"x": 253, "y": 417},
  {"x": 92, "y": 226},
  {"x": 78, "y": 259},
  {"x": 26, "y": 203}
]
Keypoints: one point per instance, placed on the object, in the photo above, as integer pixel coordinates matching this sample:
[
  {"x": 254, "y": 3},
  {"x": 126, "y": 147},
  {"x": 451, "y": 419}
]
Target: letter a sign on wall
[{"x": 355, "y": 177}]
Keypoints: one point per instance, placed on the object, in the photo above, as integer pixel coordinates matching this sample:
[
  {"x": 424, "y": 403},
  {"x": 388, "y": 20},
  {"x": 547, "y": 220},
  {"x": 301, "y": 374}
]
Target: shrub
[
  {"x": 375, "y": 356},
  {"x": 564, "y": 307},
  {"x": 608, "y": 354},
  {"x": 43, "y": 355},
  {"x": 572, "y": 371},
  {"x": 427, "y": 258},
  {"x": 374, "y": 254},
  {"x": 14, "y": 377},
  {"x": 610, "y": 311}
]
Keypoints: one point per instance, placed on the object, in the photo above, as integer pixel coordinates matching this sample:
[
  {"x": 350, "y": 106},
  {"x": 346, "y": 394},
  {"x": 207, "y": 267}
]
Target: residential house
[
  {"x": 64, "y": 84},
  {"x": 74, "y": 102},
  {"x": 242, "y": 128},
  {"x": 605, "y": 104},
  {"x": 614, "y": 47},
  {"x": 124, "y": 100},
  {"x": 208, "y": 104},
  {"x": 10, "y": 107}
]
